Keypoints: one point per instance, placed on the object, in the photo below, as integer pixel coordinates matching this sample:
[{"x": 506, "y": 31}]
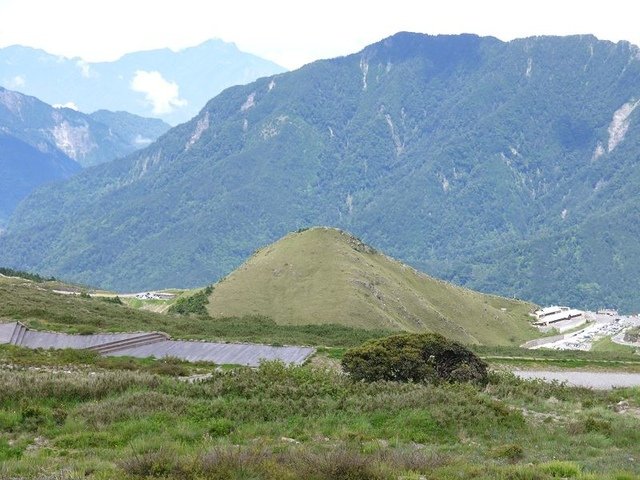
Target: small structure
[
  {"x": 155, "y": 296},
  {"x": 549, "y": 315},
  {"x": 608, "y": 311},
  {"x": 543, "y": 312}
]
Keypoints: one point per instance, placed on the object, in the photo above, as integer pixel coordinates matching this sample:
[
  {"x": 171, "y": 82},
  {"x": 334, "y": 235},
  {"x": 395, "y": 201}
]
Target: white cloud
[
  {"x": 70, "y": 105},
  {"x": 163, "y": 95},
  {"x": 85, "y": 69},
  {"x": 16, "y": 82},
  {"x": 141, "y": 141}
]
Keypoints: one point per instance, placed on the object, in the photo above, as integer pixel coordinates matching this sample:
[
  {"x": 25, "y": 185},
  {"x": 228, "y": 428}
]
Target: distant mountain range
[
  {"x": 39, "y": 143},
  {"x": 510, "y": 167},
  {"x": 165, "y": 84}
]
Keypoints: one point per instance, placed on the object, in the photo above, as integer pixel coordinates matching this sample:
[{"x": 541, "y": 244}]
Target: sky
[{"x": 293, "y": 32}]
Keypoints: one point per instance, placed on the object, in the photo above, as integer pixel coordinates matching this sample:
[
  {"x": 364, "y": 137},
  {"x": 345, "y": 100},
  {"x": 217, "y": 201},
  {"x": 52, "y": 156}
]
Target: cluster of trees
[
  {"x": 195, "y": 304},
  {"x": 10, "y": 272}
]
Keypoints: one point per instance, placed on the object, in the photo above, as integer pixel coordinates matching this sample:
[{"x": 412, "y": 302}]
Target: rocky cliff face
[{"x": 40, "y": 143}]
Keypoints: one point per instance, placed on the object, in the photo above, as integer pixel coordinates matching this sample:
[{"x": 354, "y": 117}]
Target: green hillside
[
  {"x": 40, "y": 304},
  {"x": 323, "y": 275},
  {"x": 449, "y": 152}
]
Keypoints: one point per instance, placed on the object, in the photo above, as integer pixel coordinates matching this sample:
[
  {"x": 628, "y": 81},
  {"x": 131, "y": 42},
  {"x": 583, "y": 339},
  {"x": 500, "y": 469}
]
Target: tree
[{"x": 410, "y": 357}]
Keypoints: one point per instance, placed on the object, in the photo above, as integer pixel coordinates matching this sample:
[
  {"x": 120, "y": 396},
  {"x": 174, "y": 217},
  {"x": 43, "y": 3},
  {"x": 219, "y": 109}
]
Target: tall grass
[{"x": 306, "y": 422}]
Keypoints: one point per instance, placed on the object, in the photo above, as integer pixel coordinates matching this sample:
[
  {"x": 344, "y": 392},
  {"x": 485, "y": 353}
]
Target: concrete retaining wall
[{"x": 221, "y": 353}]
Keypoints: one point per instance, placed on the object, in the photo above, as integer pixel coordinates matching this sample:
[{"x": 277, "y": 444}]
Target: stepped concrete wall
[
  {"x": 137, "y": 345},
  {"x": 221, "y": 353}
]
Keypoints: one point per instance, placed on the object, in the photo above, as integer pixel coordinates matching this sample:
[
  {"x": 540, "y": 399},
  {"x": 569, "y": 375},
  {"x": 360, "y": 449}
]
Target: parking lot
[{"x": 598, "y": 327}]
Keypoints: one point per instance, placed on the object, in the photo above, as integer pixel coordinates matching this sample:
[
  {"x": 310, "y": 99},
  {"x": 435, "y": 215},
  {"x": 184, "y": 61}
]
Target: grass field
[{"x": 94, "y": 421}]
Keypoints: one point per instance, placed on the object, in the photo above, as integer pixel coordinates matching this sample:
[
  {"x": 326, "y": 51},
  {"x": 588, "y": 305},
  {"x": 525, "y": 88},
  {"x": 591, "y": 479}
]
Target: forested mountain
[
  {"x": 40, "y": 143},
  {"x": 507, "y": 166},
  {"x": 162, "y": 83},
  {"x": 23, "y": 168},
  {"x": 134, "y": 130}
]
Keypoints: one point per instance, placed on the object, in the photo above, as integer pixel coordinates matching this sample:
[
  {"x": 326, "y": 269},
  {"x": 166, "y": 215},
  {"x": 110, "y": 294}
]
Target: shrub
[
  {"x": 170, "y": 366},
  {"x": 510, "y": 451},
  {"x": 156, "y": 463},
  {"x": 340, "y": 464},
  {"x": 220, "y": 427},
  {"x": 559, "y": 469},
  {"x": 115, "y": 300},
  {"x": 414, "y": 358},
  {"x": 8, "y": 451},
  {"x": 194, "y": 304}
]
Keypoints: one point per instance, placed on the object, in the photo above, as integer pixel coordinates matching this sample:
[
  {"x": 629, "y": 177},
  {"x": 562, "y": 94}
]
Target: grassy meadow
[{"x": 72, "y": 418}]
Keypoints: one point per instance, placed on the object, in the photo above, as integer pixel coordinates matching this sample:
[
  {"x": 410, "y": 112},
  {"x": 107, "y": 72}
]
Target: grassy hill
[
  {"x": 324, "y": 275},
  {"x": 40, "y": 304}
]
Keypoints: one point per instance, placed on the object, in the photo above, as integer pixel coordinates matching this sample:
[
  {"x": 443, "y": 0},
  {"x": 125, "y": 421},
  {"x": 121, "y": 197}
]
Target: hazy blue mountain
[
  {"x": 87, "y": 139},
  {"x": 508, "y": 166},
  {"x": 24, "y": 167},
  {"x": 40, "y": 143},
  {"x": 139, "y": 82},
  {"x": 134, "y": 130}
]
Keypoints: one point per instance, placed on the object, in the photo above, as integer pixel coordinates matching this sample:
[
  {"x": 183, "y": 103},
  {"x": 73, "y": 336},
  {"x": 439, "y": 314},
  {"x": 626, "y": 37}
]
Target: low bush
[
  {"x": 558, "y": 469},
  {"x": 509, "y": 451},
  {"x": 158, "y": 463},
  {"x": 414, "y": 358}
]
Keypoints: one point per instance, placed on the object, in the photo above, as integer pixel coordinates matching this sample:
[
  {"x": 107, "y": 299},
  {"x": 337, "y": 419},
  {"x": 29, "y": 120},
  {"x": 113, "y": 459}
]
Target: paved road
[{"x": 596, "y": 380}]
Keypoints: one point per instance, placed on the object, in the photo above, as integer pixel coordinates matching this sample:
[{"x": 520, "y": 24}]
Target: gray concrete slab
[
  {"x": 33, "y": 339},
  {"x": 220, "y": 353},
  {"x": 6, "y": 329}
]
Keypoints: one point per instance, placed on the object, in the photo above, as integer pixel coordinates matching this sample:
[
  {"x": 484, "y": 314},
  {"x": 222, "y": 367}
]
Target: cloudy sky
[{"x": 292, "y": 32}]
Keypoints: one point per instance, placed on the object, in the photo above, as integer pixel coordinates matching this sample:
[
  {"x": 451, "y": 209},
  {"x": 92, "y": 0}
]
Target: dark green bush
[
  {"x": 220, "y": 427},
  {"x": 510, "y": 451},
  {"x": 414, "y": 358},
  {"x": 194, "y": 304},
  {"x": 115, "y": 300}
]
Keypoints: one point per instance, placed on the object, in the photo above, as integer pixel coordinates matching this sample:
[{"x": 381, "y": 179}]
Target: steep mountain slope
[
  {"x": 23, "y": 168},
  {"x": 439, "y": 150},
  {"x": 137, "y": 131},
  {"x": 39, "y": 143},
  {"x": 324, "y": 275},
  {"x": 161, "y": 83},
  {"x": 86, "y": 139}
]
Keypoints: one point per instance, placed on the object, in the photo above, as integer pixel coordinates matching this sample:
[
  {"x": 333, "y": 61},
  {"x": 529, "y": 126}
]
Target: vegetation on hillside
[
  {"x": 195, "y": 303},
  {"x": 41, "y": 308},
  {"x": 324, "y": 275},
  {"x": 69, "y": 414},
  {"x": 10, "y": 272}
]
